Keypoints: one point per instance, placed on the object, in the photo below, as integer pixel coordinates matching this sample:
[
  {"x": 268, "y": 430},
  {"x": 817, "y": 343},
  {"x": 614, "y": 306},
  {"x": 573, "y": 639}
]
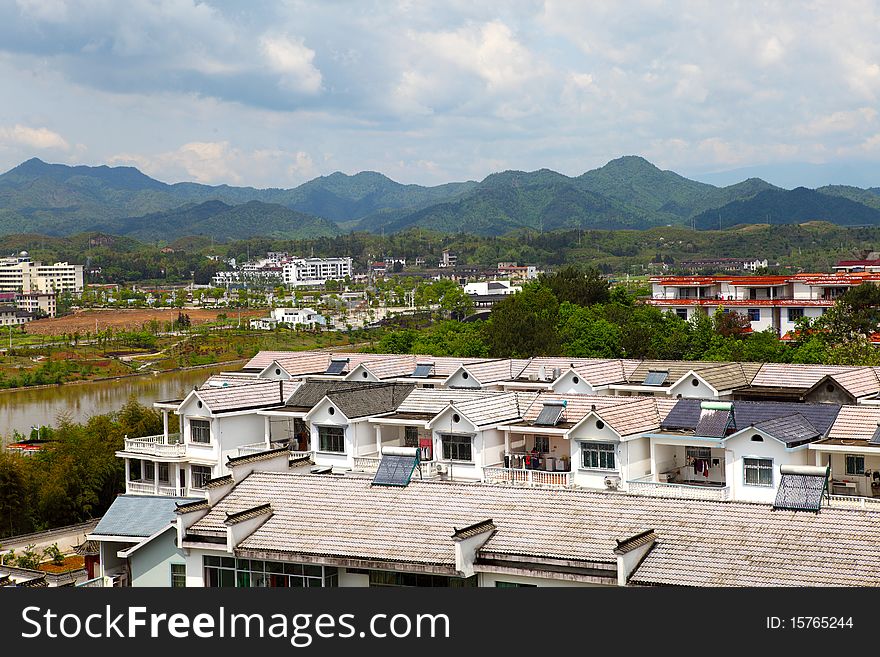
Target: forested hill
[{"x": 629, "y": 192}]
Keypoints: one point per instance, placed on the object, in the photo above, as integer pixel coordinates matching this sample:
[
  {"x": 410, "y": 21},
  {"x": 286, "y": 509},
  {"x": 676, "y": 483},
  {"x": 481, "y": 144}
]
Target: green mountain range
[{"x": 629, "y": 192}]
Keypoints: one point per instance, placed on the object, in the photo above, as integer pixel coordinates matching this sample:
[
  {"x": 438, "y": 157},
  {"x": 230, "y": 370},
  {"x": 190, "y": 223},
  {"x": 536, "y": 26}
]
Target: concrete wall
[
  {"x": 566, "y": 385},
  {"x": 692, "y": 387},
  {"x": 462, "y": 379},
  {"x": 589, "y": 431},
  {"x": 151, "y": 564},
  {"x": 743, "y": 446}
]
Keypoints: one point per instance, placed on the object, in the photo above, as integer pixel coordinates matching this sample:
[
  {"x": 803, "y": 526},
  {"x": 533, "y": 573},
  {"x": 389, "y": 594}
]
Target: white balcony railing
[
  {"x": 256, "y": 448},
  {"x": 156, "y": 445},
  {"x": 368, "y": 463},
  {"x": 853, "y": 502},
  {"x": 300, "y": 455},
  {"x": 501, "y": 475},
  {"x": 644, "y": 486}
]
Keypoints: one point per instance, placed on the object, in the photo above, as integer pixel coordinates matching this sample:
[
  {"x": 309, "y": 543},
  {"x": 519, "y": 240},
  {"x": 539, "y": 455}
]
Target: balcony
[
  {"x": 646, "y": 486},
  {"x": 256, "y": 448},
  {"x": 497, "y": 474},
  {"x": 370, "y": 463},
  {"x": 156, "y": 445},
  {"x": 853, "y": 502},
  {"x": 150, "y": 488}
]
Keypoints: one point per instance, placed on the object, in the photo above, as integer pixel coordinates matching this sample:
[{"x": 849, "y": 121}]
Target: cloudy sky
[{"x": 275, "y": 93}]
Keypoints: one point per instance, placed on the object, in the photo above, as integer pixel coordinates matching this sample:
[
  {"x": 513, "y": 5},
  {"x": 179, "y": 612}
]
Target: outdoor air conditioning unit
[{"x": 612, "y": 483}]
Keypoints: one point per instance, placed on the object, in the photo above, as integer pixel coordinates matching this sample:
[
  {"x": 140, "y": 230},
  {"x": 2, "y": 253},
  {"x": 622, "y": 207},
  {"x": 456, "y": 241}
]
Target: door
[{"x": 182, "y": 472}]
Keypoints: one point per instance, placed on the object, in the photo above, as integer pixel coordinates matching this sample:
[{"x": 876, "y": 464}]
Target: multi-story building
[
  {"x": 38, "y": 303},
  {"x": 289, "y": 317},
  {"x": 21, "y": 274},
  {"x": 299, "y": 272},
  {"x": 770, "y": 302},
  {"x": 13, "y": 316}
]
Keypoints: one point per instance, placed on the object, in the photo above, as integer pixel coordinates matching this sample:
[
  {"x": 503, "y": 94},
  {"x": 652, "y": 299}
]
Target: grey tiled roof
[
  {"x": 371, "y": 399},
  {"x": 791, "y": 429},
  {"x": 685, "y": 415},
  {"x": 138, "y": 515},
  {"x": 699, "y": 542}
]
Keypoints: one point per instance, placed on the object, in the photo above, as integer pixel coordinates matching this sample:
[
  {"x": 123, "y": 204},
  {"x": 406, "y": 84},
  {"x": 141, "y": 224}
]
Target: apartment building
[
  {"x": 21, "y": 274},
  {"x": 770, "y": 302},
  {"x": 301, "y": 272},
  {"x": 13, "y": 316}
]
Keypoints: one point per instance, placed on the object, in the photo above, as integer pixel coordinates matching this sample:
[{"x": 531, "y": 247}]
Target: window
[
  {"x": 178, "y": 575},
  {"x": 512, "y": 585},
  {"x": 542, "y": 444},
  {"x": 199, "y": 475},
  {"x": 754, "y": 314},
  {"x": 794, "y": 314},
  {"x": 388, "y": 578},
  {"x": 251, "y": 573},
  {"x": 704, "y": 453},
  {"x": 855, "y": 464},
  {"x": 456, "y": 448},
  {"x": 758, "y": 472},
  {"x": 134, "y": 470},
  {"x": 149, "y": 471},
  {"x": 331, "y": 439},
  {"x": 163, "y": 473},
  {"x": 682, "y": 313},
  {"x": 598, "y": 456},
  {"x": 410, "y": 437},
  {"x": 200, "y": 431}
]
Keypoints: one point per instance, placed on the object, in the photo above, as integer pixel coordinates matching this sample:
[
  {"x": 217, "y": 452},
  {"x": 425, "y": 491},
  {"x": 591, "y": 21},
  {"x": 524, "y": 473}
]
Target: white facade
[
  {"x": 315, "y": 271},
  {"x": 484, "y": 288},
  {"x": 21, "y": 274}
]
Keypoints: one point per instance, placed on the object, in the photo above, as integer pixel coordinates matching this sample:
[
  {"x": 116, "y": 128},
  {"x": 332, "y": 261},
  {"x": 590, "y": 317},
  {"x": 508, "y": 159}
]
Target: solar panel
[
  {"x": 395, "y": 470},
  {"x": 336, "y": 366},
  {"x": 656, "y": 378},
  {"x": 423, "y": 370},
  {"x": 801, "y": 488},
  {"x": 875, "y": 439},
  {"x": 550, "y": 414},
  {"x": 712, "y": 424}
]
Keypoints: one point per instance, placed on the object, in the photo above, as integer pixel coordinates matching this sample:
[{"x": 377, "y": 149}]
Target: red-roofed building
[{"x": 774, "y": 302}]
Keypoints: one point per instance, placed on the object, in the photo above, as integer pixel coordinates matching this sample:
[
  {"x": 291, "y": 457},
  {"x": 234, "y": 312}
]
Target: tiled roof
[
  {"x": 260, "y": 394},
  {"x": 855, "y": 423},
  {"x": 508, "y": 406},
  {"x": 370, "y": 399},
  {"x": 699, "y": 543},
  {"x": 474, "y": 530},
  {"x": 631, "y": 418},
  {"x": 625, "y": 545},
  {"x": 791, "y": 429},
  {"x": 576, "y": 406},
  {"x": 676, "y": 369},
  {"x": 728, "y": 376},
  {"x": 858, "y": 382},
  {"x": 256, "y": 457},
  {"x": 433, "y": 400},
  {"x": 388, "y": 368},
  {"x": 787, "y": 375},
  {"x": 603, "y": 372},
  {"x": 138, "y": 515},
  {"x": 685, "y": 415},
  {"x": 495, "y": 370}
]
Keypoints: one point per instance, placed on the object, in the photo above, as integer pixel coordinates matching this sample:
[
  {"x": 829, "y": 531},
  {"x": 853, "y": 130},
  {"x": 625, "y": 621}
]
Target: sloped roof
[
  {"x": 493, "y": 371},
  {"x": 577, "y": 406},
  {"x": 602, "y": 372},
  {"x": 371, "y": 399},
  {"x": 858, "y": 382},
  {"x": 138, "y": 516},
  {"x": 790, "y": 429},
  {"x": 699, "y": 543},
  {"x": 388, "y": 368},
  {"x": 434, "y": 400},
  {"x": 507, "y": 406},
  {"x": 676, "y": 369},
  {"x": 258, "y": 394},
  {"x": 728, "y": 376},
  {"x": 855, "y": 423},
  {"x": 685, "y": 415},
  {"x": 631, "y": 418},
  {"x": 788, "y": 375}
]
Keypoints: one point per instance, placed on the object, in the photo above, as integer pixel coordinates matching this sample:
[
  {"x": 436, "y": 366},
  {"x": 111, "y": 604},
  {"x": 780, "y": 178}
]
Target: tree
[
  {"x": 730, "y": 323},
  {"x": 581, "y": 287},
  {"x": 456, "y": 304},
  {"x": 524, "y": 324}
]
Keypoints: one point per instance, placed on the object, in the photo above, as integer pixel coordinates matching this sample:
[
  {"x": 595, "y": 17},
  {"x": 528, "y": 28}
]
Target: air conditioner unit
[
  {"x": 612, "y": 483},
  {"x": 533, "y": 377}
]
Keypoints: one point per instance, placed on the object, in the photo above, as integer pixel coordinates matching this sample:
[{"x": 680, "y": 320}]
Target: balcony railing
[
  {"x": 526, "y": 477},
  {"x": 853, "y": 502},
  {"x": 368, "y": 463},
  {"x": 645, "y": 486},
  {"x": 149, "y": 488},
  {"x": 156, "y": 445}
]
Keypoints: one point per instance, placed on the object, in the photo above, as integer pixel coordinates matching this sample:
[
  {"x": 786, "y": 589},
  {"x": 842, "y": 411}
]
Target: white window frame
[
  {"x": 194, "y": 477},
  {"x": 460, "y": 438},
  {"x": 334, "y": 427},
  {"x": 599, "y": 448},
  {"x": 192, "y": 433},
  {"x": 758, "y": 468}
]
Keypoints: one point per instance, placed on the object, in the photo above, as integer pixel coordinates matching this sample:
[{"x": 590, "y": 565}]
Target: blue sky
[{"x": 276, "y": 93}]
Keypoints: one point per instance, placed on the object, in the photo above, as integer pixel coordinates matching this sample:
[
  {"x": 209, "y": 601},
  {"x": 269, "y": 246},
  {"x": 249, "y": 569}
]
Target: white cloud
[
  {"x": 43, "y": 138},
  {"x": 294, "y": 61}
]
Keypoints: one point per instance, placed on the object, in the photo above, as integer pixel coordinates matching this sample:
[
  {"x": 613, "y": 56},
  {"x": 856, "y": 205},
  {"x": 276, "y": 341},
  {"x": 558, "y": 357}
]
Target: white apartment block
[
  {"x": 21, "y": 274},
  {"x": 315, "y": 271}
]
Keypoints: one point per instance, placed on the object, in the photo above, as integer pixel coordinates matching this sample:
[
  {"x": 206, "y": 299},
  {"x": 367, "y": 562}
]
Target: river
[{"x": 23, "y": 408}]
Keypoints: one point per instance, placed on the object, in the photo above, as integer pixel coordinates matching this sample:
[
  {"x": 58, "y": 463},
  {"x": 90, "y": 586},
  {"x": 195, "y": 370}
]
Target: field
[{"x": 133, "y": 319}]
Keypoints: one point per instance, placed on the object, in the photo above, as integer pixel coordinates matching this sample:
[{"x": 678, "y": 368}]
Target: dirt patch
[
  {"x": 70, "y": 563},
  {"x": 133, "y": 319}
]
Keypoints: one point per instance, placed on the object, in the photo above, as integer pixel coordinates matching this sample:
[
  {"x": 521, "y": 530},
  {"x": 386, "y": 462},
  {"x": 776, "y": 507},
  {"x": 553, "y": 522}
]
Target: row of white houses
[{"x": 660, "y": 446}]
